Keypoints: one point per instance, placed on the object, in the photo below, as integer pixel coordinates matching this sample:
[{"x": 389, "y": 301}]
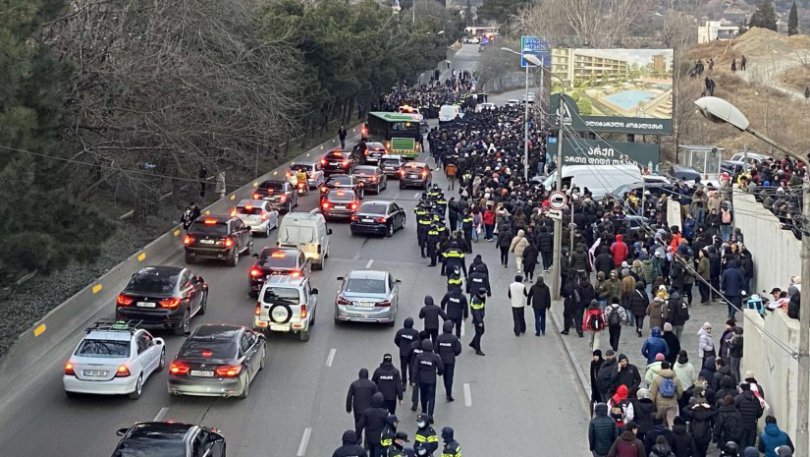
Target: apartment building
[{"x": 572, "y": 65}]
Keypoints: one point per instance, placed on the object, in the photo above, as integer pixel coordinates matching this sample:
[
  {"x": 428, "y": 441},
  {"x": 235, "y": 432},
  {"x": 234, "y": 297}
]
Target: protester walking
[
  {"x": 540, "y": 301},
  {"x": 517, "y": 294}
]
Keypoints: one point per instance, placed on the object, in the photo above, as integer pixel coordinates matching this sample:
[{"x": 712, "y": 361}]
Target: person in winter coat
[
  {"x": 504, "y": 242},
  {"x": 708, "y": 371},
  {"x": 540, "y": 301},
  {"x": 627, "y": 445},
  {"x": 735, "y": 353},
  {"x": 727, "y": 387},
  {"x": 657, "y": 311},
  {"x": 604, "y": 378},
  {"x": 614, "y": 287},
  {"x": 603, "y": 263},
  {"x": 684, "y": 445},
  {"x": 596, "y": 363},
  {"x": 628, "y": 288},
  {"x": 653, "y": 369},
  {"x": 706, "y": 345},
  {"x": 426, "y": 366},
  {"x": 617, "y": 405},
  {"x": 614, "y": 317},
  {"x": 728, "y": 425},
  {"x": 593, "y": 322},
  {"x": 602, "y": 431},
  {"x": 772, "y": 438},
  {"x": 704, "y": 272},
  {"x": 677, "y": 313},
  {"x": 517, "y": 246},
  {"x": 725, "y": 338},
  {"x": 654, "y": 345},
  {"x": 619, "y": 251},
  {"x": 359, "y": 397},
  {"x": 659, "y": 430},
  {"x": 639, "y": 302},
  {"x": 626, "y": 374},
  {"x": 751, "y": 409},
  {"x": 371, "y": 424},
  {"x": 389, "y": 383},
  {"x": 350, "y": 447},
  {"x": 641, "y": 410},
  {"x": 579, "y": 259},
  {"x": 731, "y": 285},
  {"x": 665, "y": 391},
  {"x": 530, "y": 261},
  {"x": 685, "y": 371},
  {"x": 673, "y": 343},
  {"x": 448, "y": 347},
  {"x": 430, "y": 314},
  {"x": 404, "y": 340},
  {"x": 722, "y": 371},
  {"x": 661, "y": 448},
  {"x": 701, "y": 421}
]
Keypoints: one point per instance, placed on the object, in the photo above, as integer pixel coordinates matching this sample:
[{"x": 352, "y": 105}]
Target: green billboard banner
[
  {"x": 609, "y": 124},
  {"x": 600, "y": 152}
]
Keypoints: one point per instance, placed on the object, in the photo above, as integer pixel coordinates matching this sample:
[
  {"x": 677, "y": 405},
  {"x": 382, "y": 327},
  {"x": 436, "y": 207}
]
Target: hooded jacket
[
  {"x": 654, "y": 345},
  {"x": 454, "y": 304},
  {"x": 750, "y": 408},
  {"x": 661, "y": 450},
  {"x": 657, "y": 312},
  {"x": 628, "y": 376},
  {"x": 685, "y": 373},
  {"x": 350, "y": 447},
  {"x": 476, "y": 280},
  {"x": 448, "y": 345},
  {"x": 519, "y": 244},
  {"x": 388, "y": 381},
  {"x": 579, "y": 259},
  {"x": 771, "y": 438},
  {"x": 602, "y": 430},
  {"x": 619, "y": 251},
  {"x": 372, "y": 421},
  {"x": 603, "y": 262},
  {"x": 662, "y": 402},
  {"x": 405, "y": 337},
  {"x": 639, "y": 301},
  {"x": 627, "y": 446},
  {"x": 674, "y": 345},
  {"x": 604, "y": 378},
  {"x": 539, "y": 295},
  {"x": 430, "y": 314},
  {"x": 708, "y": 370},
  {"x": 360, "y": 393},
  {"x": 705, "y": 342},
  {"x": 427, "y": 365},
  {"x": 731, "y": 281}
]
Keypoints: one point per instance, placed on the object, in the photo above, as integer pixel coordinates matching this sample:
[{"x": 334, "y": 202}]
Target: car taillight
[
  {"x": 346, "y": 163},
  {"x": 424, "y": 174},
  {"x": 178, "y": 368},
  {"x": 325, "y": 205},
  {"x": 301, "y": 185},
  {"x": 170, "y": 303},
  {"x": 402, "y": 172},
  {"x": 233, "y": 212},
  {"x": 282, "y": 199},
  {"x": 265, "y": 216},
  {"x": 122, "y": 372},
  {"x": 383, "y": 304},
  {"x": 323, "y": 161},
  {"x": 256, "y": 196},
  {"x": 342, "y": 301},
  {"x": 69, "y": 369},
  {"x": 229, "y": 371},
  {"x": 258, "y": 308},
  {"x": 324, "y": 189},
  {"x": 124, "y": 300},
  {"x": 255, "y": 272},
  {"x": 353, "y": 205},
  {"x": 381, "y": 220},
  {"x": 304, "y": 311},
  {"x": 228, "y": 243},
  {"x": 295, "y": 274},
  {"x": 355, "y": 218},
  {"x": 373, "y": 179},
  {"x": 188, "y": 240}
]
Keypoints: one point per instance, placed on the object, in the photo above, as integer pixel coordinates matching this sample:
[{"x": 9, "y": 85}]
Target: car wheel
[
  {"x": 203, "y": 304},
  {"x": 249, "y": 247},
  {"x": 162, "y": 362},
  {"x": 246, "y": 389},
  {"x": 181, "y": 328},
  {"x": 136, "y": 394},
  {"x": 234, "y": 260},
  {"x": 402, "y": 225},
  {"x": 303, "y": 335},
  {"x": 378, "y": 189},
  {"x": 390, "y": 232}
]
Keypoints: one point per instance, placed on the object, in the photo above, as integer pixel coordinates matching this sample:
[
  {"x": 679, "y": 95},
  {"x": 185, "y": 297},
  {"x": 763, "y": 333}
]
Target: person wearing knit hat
[
  {"x": 673, "y": 343},
  {"x": 750, "y": 451},
  {"x": 683, "y": 443},
  {"x": 654, "y": 368}
]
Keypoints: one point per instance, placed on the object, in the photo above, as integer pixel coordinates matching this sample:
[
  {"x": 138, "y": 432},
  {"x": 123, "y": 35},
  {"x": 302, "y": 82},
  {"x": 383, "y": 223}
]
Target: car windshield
[
  {"x": 365, "y": 286},
  {"x": 373, "y": 208},
  {"x": 365, "y": 171},
  {"x": 279, "y": 259},
  {"x": 103, "y": 348},
  {"x": 249, "y": 210},
  {"x": 153, "y": 284},
  {"x": 272, "y": 185},
  {"x": 201, "y": 228},
  {"x": 296, "y": 234},
  {"x": 335, "y": 155},
  {"x": 208, "y": 348},
  {"x": 343, "y": 180},
  {"x": 390, "y": 162},
  {"x": 341, "y": 196},
  {"x": 152, "y": 445},
  {"x": 286, "y": 295}
]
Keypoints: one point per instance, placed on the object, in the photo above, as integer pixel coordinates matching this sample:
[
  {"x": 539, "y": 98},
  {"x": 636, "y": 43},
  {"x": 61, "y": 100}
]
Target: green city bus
[{"x": 400, "y": 132}]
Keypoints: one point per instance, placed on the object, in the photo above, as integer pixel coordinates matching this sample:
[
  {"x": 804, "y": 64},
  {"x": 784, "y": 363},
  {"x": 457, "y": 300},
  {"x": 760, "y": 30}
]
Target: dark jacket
[
  {"x": 350, "y": 447},
  {"x": 749, "y": 407},
  {"x": 360, "y": 393},
  {"x": 427, "y": 365},
  {"x": 530, "y": 255},
  {"x": 655, "y": 432},
  {"x": 602, "y": 430},
  {"x": 454, "y": 304},
  {"x": 388, "y": 380},
  {"x": 604, "y": 378},
  {"x": 545, "y": 240},
  {"x": 447, "y": 345},
  {"x": 539, "y": 295},
  {"x": 684, "y": 445},
  {"x": 644, "y": 411},
  {"x": 477, "y": 280},
  {"x": 627, "y": 445},
  {"x": 701, "y": 421},
  {"x": 579, "y": 259},
  {"x": 728, "y": 424},
  {"x": 628, "y": 376},
  {"x": 405, "y": 337},
  {"x": 638, "y": 301},
  {"x": 604, "y": 261},
  {"x": 674, "y": 346},
  {"x": 731, "y": 282},
  {"x": 430, "y": 314},
  {"x": 373, "y": 419}
]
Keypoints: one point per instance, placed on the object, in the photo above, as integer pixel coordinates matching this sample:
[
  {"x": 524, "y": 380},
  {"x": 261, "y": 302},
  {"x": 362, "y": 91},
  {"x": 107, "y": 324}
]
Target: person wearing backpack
[
  {"x": 654, "y": 345},
  {"x": 678, "y": 313},
  {"x": 593, "y": 322},
  {"x": 701, "y": 417},
  {"x": 728, "y": 424},
  {"x": 615, "y": 316},
  {"x": 665, "y": 391},
  {"x": 751, "y": 410}
]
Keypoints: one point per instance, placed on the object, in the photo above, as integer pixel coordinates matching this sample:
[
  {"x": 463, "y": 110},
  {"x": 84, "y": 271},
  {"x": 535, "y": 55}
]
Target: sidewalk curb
[{"x": 584, "y": 381}]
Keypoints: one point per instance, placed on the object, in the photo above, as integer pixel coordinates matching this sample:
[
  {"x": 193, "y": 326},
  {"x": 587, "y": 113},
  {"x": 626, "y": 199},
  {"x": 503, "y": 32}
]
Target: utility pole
[
  {"x": 526, "y": 127},
  {"x": 563, "y": 117},
  {"x": 803, "y": 368}
]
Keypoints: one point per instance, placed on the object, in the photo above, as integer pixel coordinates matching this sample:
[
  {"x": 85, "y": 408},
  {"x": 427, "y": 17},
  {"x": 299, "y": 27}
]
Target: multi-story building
[
  {"x": 717, "y": 30},
  {"x": 575, "y": 65}
]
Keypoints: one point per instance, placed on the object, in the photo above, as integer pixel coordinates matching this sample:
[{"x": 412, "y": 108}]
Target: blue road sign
[
  {"x": 537, "y": 46},
  {"x": 551, "y": 140}
]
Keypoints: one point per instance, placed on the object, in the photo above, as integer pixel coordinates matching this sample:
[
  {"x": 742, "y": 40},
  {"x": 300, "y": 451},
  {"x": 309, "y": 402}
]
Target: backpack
[
  {"x": 732, "y": 426},
  {"x": 667, "y": 388},
  {"x": 451, "y": 170},
  {"x": 681, "y": 311},
  {"x": 614, "y": 318},
  {"x": 595, "y": 322}
]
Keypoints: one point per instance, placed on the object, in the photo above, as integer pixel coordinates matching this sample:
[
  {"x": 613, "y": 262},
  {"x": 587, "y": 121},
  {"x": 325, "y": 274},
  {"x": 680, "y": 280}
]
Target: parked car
[
  {"x": 217, "y": 237},
  {"x": 217, "y": 360},
  {"x": 169, "y": 439},
  {"x": 367, "y": 296},
  {"x": 378, "y": 217},
  {"x": 163, "y": 297},
  {"x": 277, "y": 261},
  {"x": 259, "y": 215},
  {"x": 286, "y": 304}
]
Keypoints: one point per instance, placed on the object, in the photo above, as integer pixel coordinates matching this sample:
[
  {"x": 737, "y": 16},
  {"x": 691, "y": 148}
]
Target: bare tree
[{"x": 679, "y": 30}]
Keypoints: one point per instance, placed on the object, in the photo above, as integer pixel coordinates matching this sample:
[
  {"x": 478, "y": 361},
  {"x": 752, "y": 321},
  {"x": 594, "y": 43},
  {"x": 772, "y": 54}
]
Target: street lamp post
[
  {"x": 720, "y": 111},
  {"x": 535, "y": 62}
]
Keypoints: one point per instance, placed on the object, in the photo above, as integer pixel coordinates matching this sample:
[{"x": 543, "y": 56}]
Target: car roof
[
  {"x": 253, "y": 203},
  {"x": 337, "y": 191},
  {"x": 376, "y": 202},
  {"x": 109, "y": 335},
  {"x": 220, "y": 218},
  {"x": 285, "y": 250},
  {"x": 368, "y": 274},
  {"x": 366, "y": 167},
  {"x": 416, "y": 164},
  {"x": 159, "y": 270},
  {"x": 303, "y": 162},
  {"x": 224, "y": 330},
  {"x": 285, "y": 281},
  {"x": 392, "y": 156},
  {"x": 145, "y": 429},
  {"x": 272, "y": 181}
]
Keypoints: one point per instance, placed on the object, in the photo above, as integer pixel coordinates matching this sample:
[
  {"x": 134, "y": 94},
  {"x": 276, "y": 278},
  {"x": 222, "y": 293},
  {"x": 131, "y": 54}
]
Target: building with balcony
[
  {"x": 580, "y": 65},
  {"x": 717, "y": 30}
]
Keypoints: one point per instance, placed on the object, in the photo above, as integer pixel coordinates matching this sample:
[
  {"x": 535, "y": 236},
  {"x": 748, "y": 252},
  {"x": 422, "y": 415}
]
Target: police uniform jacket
[
  {"x": 448, "y": 347},
  {"x": 430, "y": 313},
  {"x": 455, "y": 304},
  {"x": 388, "y": 381},
  {"x": 428, "y": 365},
  {"x": 405, "y": 338}
]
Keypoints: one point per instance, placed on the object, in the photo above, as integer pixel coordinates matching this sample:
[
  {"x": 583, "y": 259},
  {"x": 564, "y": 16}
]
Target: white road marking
[
  {"x": 417, "y": 195},
  {"x": 331, "y": 357},
  {"x": 161, "y": 414},
  {"x": 467, "y": 396},
  {"x": 369, "y": 263},
  {"x": 302, "y": 448},
  {"x": 462, "y": 328}
]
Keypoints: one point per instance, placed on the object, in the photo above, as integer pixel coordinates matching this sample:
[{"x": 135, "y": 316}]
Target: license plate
[
  {"x": 364, "y": 304},
  {"x": 280, "y": 327},
  {"x": 368, "y": 220},
  {"x": 201, "y": 373},
  {"x": 147, "y": 304},
  {"x": 207, "y": 241},
  {"x": 413, "y": 176},
  {"x": 95, "y": 373},
  {"x": 340, "y": 207},
  {"x": 334, "y": 164}
]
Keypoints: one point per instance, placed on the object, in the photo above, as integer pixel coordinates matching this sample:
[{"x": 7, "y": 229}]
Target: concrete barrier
[
  {"x": 89, "y": 303},
  {"x": 775, "y": 251}
]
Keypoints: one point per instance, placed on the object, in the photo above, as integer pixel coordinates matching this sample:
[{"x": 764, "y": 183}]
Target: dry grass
[{"x": 796, "y": 77}]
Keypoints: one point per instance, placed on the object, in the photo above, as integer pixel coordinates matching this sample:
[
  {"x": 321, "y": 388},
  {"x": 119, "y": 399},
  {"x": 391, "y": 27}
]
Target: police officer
[
  {"x": 448, "y": 347},
  {"x": 372, "y": 423},
  {"x": 458, "y": 238},
  {"x": 454, "y": 280},
  {"x": 422, "y": 450},
  {"x": 416, "y": 349},
  {"x": 451, "y": 446},
  {"x": 428, "y": 364},
  {"x": 350, "y": 447},
  {"x": 389, "y": 432},
  {"x": 424, "y": 220},
  {"x": 404, "y": 340},
  {"x": 359, "y": 396},
  {"x": 441, "y": 205},
  {"x": 397, "y": 448},
  {"x": 454, "y": 304},
  {"x": 425, "y": 435},
  {"x": 477, "y": 279},
  {"x": 434, "y": 192},
  {"x": 453, "y": 257},
  {"x": 467, "y": 228},
  {"x": 389, "y": 383},
  {"x": 432, "y": 242},
  {"x": 477, "y": 305},
  {"x": 430, "y": 314}
]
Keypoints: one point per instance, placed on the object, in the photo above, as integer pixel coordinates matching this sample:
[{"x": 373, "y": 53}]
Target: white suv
[{"x": 286, "y": 304}]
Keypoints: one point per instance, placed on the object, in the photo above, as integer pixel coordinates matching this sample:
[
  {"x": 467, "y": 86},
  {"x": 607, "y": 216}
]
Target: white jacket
[{"x": 517, "y": 294}]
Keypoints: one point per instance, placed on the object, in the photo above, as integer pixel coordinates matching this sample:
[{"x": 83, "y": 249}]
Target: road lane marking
[
  {"x": 331, "y": 357},
  {"x": 161, "y": 414},
  {"x": 417, "y": 195},
  {"x": 369, "y": 263},
  {"x": 462, "y": 328},
  {"x": 302, "y": 448},
  {"x": 467, "y": 396}
]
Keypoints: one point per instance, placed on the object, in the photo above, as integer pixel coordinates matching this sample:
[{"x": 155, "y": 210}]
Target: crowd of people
[
  {"x": 778, "y": 185},
  {"x": 430, "y": 97}
]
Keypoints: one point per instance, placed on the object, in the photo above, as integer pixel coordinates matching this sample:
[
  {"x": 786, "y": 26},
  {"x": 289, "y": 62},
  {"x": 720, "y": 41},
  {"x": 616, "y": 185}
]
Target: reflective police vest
[
  {"x": 433, "y": 232},
  {"x": 428, "y": 436},
  {"x": 477, "y": 303},
  {"x": 441, "y": 229},
  {"x": 453, "y": 253},
  {"x": 467, "y": 221},
  {"x": 454, "y": 281},
  {"x": 451, "y": 449},
  {"x": 387, "y": 436}
]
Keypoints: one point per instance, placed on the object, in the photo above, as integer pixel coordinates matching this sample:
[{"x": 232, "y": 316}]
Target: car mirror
[
  {"x": 314, "y": 291},
  {"x": 328, "y": 231},
  {"x": 121, "y": 431},
  {"x": 340, "y": 278},
  {"x": 159, "y": 341},
  {"x": 187, "y": 332}
]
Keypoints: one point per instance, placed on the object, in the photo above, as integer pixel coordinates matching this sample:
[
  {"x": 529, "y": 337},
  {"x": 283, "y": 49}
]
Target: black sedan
[
  {"x": 372, "y": 178},
  {"x": 338, "y": 161},
  {"x": 378, "y": 217},
  {"x": 174, "y": 439},
  {"x": 343, "y": 182},
  {"x": 217, "y": 360},
  {"x": 163, "y": 297}
]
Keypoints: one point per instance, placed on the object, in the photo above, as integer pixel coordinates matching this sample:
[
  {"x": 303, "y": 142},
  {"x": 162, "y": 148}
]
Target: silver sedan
[{"x": 367, "y": 296}]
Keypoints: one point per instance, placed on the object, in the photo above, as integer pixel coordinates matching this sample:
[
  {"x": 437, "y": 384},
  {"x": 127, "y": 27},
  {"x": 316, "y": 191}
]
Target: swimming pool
[{"x": 629, "y": 99}]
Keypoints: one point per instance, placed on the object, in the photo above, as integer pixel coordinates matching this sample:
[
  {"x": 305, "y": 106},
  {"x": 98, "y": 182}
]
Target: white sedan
[
  {"x": 259, "y": 215},
  {"x": 113, "y": 360}
]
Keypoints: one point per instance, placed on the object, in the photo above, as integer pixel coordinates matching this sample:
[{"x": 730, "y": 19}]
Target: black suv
[
  {"x": 169, "y": 439},
  {"x": 280, "y": 194},
  {"x": 415, "y": 174},
  {"x": 338, "y": 161},
  {"x": 217, "y": 237},
  {"x": 277, "y": 261}
]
